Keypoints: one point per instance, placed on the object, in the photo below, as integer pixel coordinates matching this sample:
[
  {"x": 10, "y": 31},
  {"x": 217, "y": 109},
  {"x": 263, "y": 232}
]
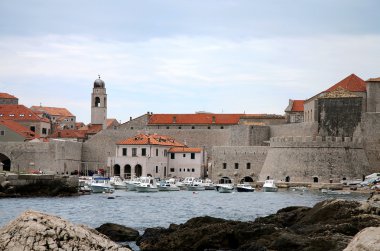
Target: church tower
[{"x": 99, "y": 104}]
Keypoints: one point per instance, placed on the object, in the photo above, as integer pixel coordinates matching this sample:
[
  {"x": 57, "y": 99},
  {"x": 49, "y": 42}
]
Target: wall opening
[
  {"x": 97, "y": 102},
  {"x": 287, "y": 179},
  {"x": 116, "y": 170},
  {"x": 247, "y": 179},
  {"x": 127, "y": 171},
  {"x": 5, "y": 163},
  {"x": 138, "y": 170},
  {"x": 315, "y": 179},
  {"x": 225, "y": 180}
]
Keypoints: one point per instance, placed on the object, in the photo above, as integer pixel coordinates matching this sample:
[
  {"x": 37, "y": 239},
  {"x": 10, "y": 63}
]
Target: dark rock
[
  {"x": 118, "y": 232},
  {"x": 329, "y": 225}
]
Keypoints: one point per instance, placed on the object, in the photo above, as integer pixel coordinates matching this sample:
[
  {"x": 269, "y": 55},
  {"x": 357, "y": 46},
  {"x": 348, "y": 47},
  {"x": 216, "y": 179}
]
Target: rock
[
  {"x": 118, "y": 232},
  {"x": 329, "y": 225},
  {"x": 366, "y": 240},
  {"x": 38, "y": 231}
]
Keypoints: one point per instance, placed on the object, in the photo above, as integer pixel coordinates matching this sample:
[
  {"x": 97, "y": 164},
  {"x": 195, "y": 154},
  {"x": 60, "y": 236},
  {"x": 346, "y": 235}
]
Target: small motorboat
[
  {"x": 335, "y": 192},
  {"x": 195, "y": 187},
  {"x": 225, "y": 188},
  {"x": 101, "y": 184},
  {"x": 168, "y": 186},
  {"x": 208, "y": 184},
  {"x": 118, "y": 183},
  {"x": 147, "y": 185},
  {"x": 244, "y": 187},
  {"x": 132, "y": 183},
  {"x": 270, "y": 186}
]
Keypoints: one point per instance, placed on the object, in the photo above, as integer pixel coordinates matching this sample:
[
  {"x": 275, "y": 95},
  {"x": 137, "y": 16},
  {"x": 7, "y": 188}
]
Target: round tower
[{"x": 99, "y": 104}]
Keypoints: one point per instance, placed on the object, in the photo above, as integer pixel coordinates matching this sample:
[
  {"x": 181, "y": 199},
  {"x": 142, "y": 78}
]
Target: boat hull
[
  {"x": 146, "y": 189},
  {"x": 168, "y": 189},
  {"x": 196, "y": 188},
  {"x": 243, "y": 189},
  {"x": 270, "y": 189}
]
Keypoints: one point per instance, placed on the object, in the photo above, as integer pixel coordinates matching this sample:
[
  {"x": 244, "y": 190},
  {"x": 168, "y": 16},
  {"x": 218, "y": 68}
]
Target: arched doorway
[
  {"x": 127, "y": 171},
  {"x": 247, "y": 179},
  {"x": 287, "y": 179},
  {"x": 5, "y": 163},
  {"x": 116, "y": 170},
  {"x": 138, "y": 170},
  {"x": 225, "y": 180}
]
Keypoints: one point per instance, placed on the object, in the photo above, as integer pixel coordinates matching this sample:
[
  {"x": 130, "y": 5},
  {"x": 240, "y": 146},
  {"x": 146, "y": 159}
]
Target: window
[
  {"x": 21, "y": 115},
  {"x": 180, "y": 169},
  {"x": 97, "y": 102},
  {"x": 11, "y": 115},
  {"x": 33, "y": 128},
  {"x": 72, "y": 119},
  {"x": 134, "y": 152},
  {"x": 172, "y": 170},
  {"x": 193, "y": 127},
  {"x": 209, "y": 127},
  {"x": 224, "y": 165},
  {"x": 236, "y": 165},
  {"x": 167, "y": 127},
  {"x": 172, "y": 155},
  {"x": 213, "y": 119},
  {"x": 193, "y": 170},
  {"x": 184, "y": 155},
  {"x": 192, "y": 155},
  {"x": 124, "y": 151},
  {"x": 143, "y": 152},
  {"x": 248, "y": 165},
  {"x": 131, "y": 128},
  {"x": 188, "y": 169},
  {"x": 174, "y": 119},
  {"x": 157, "y": 152},
  {"x": 2, "y": 133},
  {"x": 156, "y": 169},
  {"x": 44, "y": 131},
  {"x": 165, "y": 153}
]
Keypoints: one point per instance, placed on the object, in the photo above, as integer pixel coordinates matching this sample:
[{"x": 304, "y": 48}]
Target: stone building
[
  {"x": 99, "y": 104},
  {"x": 13, "y": 131},
  {"x": 60, "y": 118},
  {"x": 155, "y": 155},
  {"x": 7, "y": 99},
  {"x": 295, "y": 111}
]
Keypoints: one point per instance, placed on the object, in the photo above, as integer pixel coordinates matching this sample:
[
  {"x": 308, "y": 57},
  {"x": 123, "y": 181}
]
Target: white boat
[
  {"x": 300, "y": 189},
  {"x": 168, "y": 186},
  {"x": 208, "y": 184},
  {"x": 132, "y": 183},
  {"x": 118, "y": 183},
  {"x": 195, "y": 187},
  {"x": 101, "y": 184},
  {"x": 147, "y": 185},
  {"x": 244, "y": 187},
  {"x": 270, "y": 186},
  {"x": 225, "y": 188}
]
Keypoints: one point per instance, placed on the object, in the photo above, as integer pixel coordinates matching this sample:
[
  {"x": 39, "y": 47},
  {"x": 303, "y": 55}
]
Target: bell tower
[{"x": 99, "y": 104}]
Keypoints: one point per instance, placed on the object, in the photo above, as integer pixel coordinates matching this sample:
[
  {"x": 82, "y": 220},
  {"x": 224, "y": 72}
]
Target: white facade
[{"x": 155, "y": 161}]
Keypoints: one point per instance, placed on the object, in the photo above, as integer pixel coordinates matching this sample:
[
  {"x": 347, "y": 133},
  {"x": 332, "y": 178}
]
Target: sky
[{"x": 182, "y": 56}]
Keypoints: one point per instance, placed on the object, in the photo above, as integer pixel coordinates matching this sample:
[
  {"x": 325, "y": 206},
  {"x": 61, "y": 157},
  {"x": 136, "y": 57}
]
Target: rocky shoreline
[{"x": 329, "y": 225}]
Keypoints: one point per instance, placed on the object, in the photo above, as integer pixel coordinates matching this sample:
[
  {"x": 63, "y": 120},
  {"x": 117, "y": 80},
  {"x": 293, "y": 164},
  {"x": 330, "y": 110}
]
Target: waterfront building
[
  {"x": 8, "y": 99},
  {"x": 155, "y": 155}
]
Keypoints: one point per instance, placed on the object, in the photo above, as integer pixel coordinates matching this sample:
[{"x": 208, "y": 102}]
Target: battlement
[{"x": 317, "y": 142}]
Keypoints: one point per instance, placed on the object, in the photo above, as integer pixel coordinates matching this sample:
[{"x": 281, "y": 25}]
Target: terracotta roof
[
  {"x": 184, "y": 150},
  {"x": 148, "y": 139},
  {"x": 199, "y": 118},
  {"x": 91, "y": 129},
  {"x": 19, "y": 113},
  {"x": 6, "y": 96},
  {"x": 373, "y": 80},
  {"x": 351, "y": 83},
  {"x": 298, "y": 106},
  {"x": 69, "y": 134},
  {"x": 20, "y": 129},
  {"x": 53, "y": 111},
  {"x": 110, "y": 121}
]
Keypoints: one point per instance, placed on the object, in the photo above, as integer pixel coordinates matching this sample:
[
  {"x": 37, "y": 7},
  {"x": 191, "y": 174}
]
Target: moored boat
[
  {"x": 147, "y": 185},
  {"x": 270, "y": 186},
  {"x": 244, "y": 187},
  {"x": 168, "y": 186},
  {"x": 195, "y": 187},
  {"x": 208, "y": 184},
  {"x": 132, "y": 183},
  {"x": 101, "y": 184},
  {"x": 118, "y": 183},
  {"x": 225, "y": 188}
]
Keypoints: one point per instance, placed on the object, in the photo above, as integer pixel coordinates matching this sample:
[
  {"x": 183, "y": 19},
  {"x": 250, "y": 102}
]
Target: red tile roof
[
  {"x": 19, "y": 113},
  {"x": 69, "y": 134},
  {"x": 351, "y": 83},
  {"x": 53, "y": 111},
  {"x": 184, "y": 150},
  {"x": 6, "y": 96},
  {"x": 20, "y": 129},
  {"x": 109, "y": 122},
  {"x": 200, "y": 118},
  {"x": 298, "y": 106},
  {"x": 148, "y": 139}
]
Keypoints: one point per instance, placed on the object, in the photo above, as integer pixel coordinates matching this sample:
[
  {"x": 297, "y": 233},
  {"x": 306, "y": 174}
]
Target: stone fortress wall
[{"x": 60, "y": 157}]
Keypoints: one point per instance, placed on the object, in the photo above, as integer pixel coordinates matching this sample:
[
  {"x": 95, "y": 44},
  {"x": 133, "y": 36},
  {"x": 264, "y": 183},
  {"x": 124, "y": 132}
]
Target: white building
[{"x": 155, "y": 155}]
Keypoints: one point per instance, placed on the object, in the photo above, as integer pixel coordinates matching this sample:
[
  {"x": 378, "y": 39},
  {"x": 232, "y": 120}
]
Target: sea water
[{"x": 160, "y": 209}]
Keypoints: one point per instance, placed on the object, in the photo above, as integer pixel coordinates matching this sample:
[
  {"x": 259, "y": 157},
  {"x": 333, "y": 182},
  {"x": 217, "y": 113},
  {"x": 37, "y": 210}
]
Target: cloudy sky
[{"x": 182, "y": 56}]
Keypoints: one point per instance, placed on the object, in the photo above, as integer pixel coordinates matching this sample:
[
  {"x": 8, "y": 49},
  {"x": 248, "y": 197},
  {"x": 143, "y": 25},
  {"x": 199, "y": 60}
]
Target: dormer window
[
  {"x": 174, "y": 119},
  {"x": 213, "y": 119},
  {"x": 11, "y": 115},
  {"x": 22, "y": 115}
]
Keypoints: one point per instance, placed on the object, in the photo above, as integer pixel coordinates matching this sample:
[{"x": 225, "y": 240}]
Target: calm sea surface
[{"x": 143, "y": 210}]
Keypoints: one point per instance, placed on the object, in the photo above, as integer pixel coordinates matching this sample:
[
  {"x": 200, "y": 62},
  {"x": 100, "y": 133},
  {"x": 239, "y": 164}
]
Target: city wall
[
  {"x": 294, "y": 129},
  {"x": 315, "y": 159},
  {"x": 52, "y": 157},
  {"x": 237, "y": 162}
]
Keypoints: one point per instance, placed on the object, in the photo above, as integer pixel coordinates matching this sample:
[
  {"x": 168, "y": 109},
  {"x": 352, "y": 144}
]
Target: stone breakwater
[
  {"x": 38, "y": 231},
  {"x": 329, "y": 225}
]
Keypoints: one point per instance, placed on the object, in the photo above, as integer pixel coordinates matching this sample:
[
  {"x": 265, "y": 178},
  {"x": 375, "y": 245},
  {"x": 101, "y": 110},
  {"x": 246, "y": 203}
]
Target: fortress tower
[{"x": 99, "y": 104}]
